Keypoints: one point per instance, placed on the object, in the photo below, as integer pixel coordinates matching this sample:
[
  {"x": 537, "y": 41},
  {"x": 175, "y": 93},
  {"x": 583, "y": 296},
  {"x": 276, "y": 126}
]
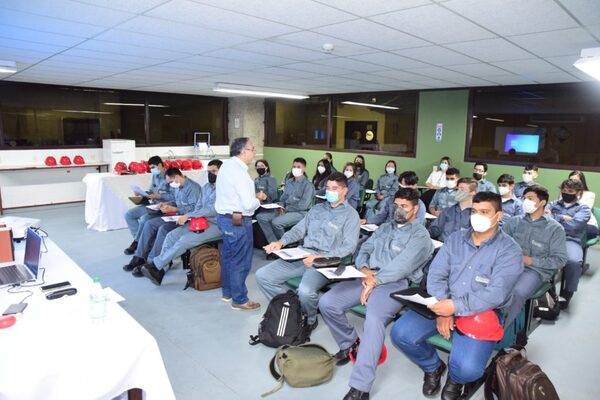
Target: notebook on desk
[{"x": 19, "y": 273}]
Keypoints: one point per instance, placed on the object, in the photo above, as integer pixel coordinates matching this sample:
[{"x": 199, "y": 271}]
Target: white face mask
[
  {"x": 321, "y": 169},
  {"x": 529, "y": 206},
  {"x": 297, "y": 172},
  {"x": 348, "y": 174},
  {"x": 527, "y": 178},
  {"x": 443, "y": 166},
  {"x": 390, "y": 170},
  {"x": 450, "y": 184},
  {"x": 174, "y": 185},
  {"x": 480, "y": 223},
  {"x": 503, "y": 190}
]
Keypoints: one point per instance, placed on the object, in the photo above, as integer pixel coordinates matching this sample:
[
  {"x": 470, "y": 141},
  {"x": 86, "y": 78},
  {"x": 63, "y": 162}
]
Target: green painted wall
[{"x": 448, "y": 107}]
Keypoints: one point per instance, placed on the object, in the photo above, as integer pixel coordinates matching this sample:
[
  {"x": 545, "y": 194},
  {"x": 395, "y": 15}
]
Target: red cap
[{"x": 482, "y": 326}]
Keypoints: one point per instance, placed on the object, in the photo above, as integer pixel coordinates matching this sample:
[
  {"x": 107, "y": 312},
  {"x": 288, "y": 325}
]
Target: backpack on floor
[
  {"x": 511, "y": 376},
  {"x": 205, "y": 269},
  {"x": 547, "y": 306},
  {"x": 284, "y": 322},
  {"x": 301, "y": 366}
]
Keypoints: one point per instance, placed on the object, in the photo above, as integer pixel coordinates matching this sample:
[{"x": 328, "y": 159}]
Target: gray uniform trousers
[
  {"x": 381, "y": 309},
  {"x": 573, "y": 268},
  {"x": 272, "y": 277},
  {"x": 136, "y": 217},
  {"x": 529, "y": 281},
  {"x": 273, "y": 225}
]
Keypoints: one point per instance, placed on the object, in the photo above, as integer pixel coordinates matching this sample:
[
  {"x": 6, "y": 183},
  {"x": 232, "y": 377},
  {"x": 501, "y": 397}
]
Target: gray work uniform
[
  {"x": 387, "y": 185},
  {"x": 485, "y": 186},
  {"x": 443, "y": 198},
  {"x": 268, "y": 185},
  {"x": 328, "y": 231},
  {"x": 451, "y": 220},
  {"x": 137, "y": 216}
]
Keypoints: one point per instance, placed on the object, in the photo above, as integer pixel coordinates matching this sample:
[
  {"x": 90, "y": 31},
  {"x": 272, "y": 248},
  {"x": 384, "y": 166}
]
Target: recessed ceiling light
[
  {"x": 255, "y": 91},
  {"x": 354, "y": 103},
  {"x": 589, "y": 63}
]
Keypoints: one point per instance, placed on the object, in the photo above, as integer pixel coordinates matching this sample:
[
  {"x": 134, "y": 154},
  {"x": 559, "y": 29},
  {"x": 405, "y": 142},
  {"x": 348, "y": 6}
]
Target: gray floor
[{"x": 204, "y": 343}]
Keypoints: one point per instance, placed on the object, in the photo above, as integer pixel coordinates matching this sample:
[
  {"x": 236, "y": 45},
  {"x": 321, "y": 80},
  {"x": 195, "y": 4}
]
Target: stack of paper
[
  {"x": 270, "y": 206},
  {"x": 369, "y": 227},
  {"x": 349, "y": 273},
  {"x": 138, "y": 190},
  {"x": 296, "y": 253},
  {"x": 154, "y": 207},
  {"x": 171, "y": 218}
]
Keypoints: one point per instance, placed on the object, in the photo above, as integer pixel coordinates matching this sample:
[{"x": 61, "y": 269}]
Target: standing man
[{"x": 236, "y": 202}]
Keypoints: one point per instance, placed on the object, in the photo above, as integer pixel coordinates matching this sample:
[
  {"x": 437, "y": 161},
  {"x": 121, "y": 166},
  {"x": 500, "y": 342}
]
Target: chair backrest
[
  {"x": 361, "y": 199},
  {"x": 369, "y": 184},
  {"x": 596, "y": 212}
]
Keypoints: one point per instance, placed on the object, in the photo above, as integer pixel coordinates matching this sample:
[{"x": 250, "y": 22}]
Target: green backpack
[{"x": 301, "y": 366}]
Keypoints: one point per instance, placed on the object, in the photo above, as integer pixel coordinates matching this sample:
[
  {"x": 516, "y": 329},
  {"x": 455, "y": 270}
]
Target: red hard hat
[
  {"x": 146, "y": 166},
  {"x": 64, "y": 160},
  {"x": 132, "y": 167},
  {"x": 176, "y": 164},
  {"x": 50, "y": 161},
  {"x": 482, "y": 326},
  {"x": 186, "y": 165},
  {"x": 141, "y": 168},
  {"x": 198, "y": 224},
  {"x": 78, "y": 160},
  {"x": 382, "y": 357},
  {"x": 120, "y": 167},
  {"x": 196, "y": 164},
  {"x": 167, "y": 164}
]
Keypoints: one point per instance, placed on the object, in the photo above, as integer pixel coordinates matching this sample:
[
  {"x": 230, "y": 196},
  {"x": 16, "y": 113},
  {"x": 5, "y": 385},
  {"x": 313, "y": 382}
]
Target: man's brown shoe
[{"x": 248, "y": 306}]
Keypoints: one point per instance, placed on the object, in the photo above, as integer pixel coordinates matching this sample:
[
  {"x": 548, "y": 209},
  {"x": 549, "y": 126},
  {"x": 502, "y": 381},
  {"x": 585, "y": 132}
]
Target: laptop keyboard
[{"x": 12, "y": 274}]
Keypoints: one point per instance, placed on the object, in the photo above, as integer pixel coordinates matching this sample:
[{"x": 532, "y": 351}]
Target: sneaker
[
  {"x": 248, "y": 306},
  {"x": 342, "y": 357},
  {"x": 132, "y": 248},
  {"x": 226, "y": 299}
]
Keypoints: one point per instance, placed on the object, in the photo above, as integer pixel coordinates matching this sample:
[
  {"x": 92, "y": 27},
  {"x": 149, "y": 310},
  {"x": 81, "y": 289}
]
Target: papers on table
[
  {"x": 370, "y": 191},
  {"x": 138, "y": 190},
  {"x": 296, "y": 253},
  {"x": 429, "y": 216},
  {"x": 171, "y": 218},
  {"x": 349, "y": 273},
  {"x": 153, "y": 207},
  {"x": 111, "y": 295},
  {"x": 369, "y": 227},
  {"x": 271, "y": 206},
  {"x": 417, "y": 298},
  {"x": 436, "y": 243},
  {"x": 320, "y": 196}
]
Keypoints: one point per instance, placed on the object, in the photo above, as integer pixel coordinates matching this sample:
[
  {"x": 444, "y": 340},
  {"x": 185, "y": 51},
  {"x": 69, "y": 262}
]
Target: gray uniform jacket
[
  {"x": 451, "y": 220},
  {"x": 160, "y": 186},
  {"x": 187, "y": 196},
  {"x": 353, "y": 195},
  {"x": 205, "y": 207},
  {"x": 298, "y": 196},
  {"x": 443, "y": 198},
  {"x": 576, "y": 227},
  {"x": 485, "y": 186},
  {"x": 511, "y": 208},
  {"x": 387, "y": 185},
  {"x": 268, "y": 185}
]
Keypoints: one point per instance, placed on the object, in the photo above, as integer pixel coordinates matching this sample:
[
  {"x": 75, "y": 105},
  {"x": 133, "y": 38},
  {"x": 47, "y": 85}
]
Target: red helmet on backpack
[
  {"x": 64, "y": 160},
  {"x": 50, "y": 161},
  {"x": 78, "y": 160}
]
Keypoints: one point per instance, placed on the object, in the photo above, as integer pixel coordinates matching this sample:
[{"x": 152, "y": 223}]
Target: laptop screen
[{"x": 32, "y": 251}]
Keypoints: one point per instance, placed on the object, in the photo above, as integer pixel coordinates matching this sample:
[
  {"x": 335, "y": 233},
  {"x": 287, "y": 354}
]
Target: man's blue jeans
[
  {"x": 236, "y": 257},
  {"x": 468, "y": 357}
]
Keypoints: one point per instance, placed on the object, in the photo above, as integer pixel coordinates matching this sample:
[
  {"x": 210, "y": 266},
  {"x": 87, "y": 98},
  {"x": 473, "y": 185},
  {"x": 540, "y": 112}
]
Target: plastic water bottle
[{"x": 97, "y": 300}]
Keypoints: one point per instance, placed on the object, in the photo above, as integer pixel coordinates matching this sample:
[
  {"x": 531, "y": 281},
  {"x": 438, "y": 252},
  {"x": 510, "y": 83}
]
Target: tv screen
[
  {"x": 519, "y": 139},
  {"x": 522, "y": 143}
]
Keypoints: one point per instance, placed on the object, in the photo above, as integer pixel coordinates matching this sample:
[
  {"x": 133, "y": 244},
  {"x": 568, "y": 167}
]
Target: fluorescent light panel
[
  {"x": 84, "y": 112},
  {"x": 589, "y": 63},
  {"x": 495, "y": 119},
  {"x": 255, "y": 91},
  {"x": 8, "y": 67},
  {"x": 136, "y": 105},
  {"x": 354, "y": 103}
]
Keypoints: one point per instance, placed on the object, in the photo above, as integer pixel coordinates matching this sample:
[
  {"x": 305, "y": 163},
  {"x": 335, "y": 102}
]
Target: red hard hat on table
[
  {"x": 186, "y": 165},
  {"x": 78, "y": 160},
  {"x": 482, "y": 326},
  {"x": 64, "y": 160},
  {"x": 50, "y": 161},
  {"x": 196, "y": 164},
  {"x": 120, "y": 167}
]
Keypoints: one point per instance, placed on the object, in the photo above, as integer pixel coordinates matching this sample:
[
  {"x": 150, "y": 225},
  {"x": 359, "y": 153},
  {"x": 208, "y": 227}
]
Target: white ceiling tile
[
  {"x": 401, "y": 75},
  {"x": 371, "y": 34},
  {"x": 586, "y": 11},
  {"x": 127, "y": 49},
  {"x": 255, "y": 58},
  {"x": 436, "y": 55},
  {"x": 222, "y": 63},
  {"x": 566, "y": 63},
  {"x": 61, "y": 63},
  {"x": 213, "y": 18},
  {"x": 68, "y": 59},
  {"x": 49, "y": 79},
  {"x": 109, "y": 57},
  {"x": 390, "y": 60},
  {"x": 435, "y": 83},
  {"x": 133, "y": 6},
  {"x": 30, "y": 35},
  {"x": 424, "y": 22},
  {"x": 370, "y": 78},
  {"x": 300, "y": 13},
  {"x": 438, "y": 73},
  {"x": 373, "y": 7},
  {"x": 318, "y": 68},
  {"x": 491, "y": 50},
  {"x": 46, "y": 24},
  {"x": 527, "y": 67},
  {"x": 156, "y": 42},
  {"x": 595, "y": 30},
  {"x": 556, "y": 43},
  {"x": 69, "y": 10},
  {"x": 471, "y": 81},
  {"x": 289, "y": 73},
  {"x": 555, "y": 77},
  {"x": 510, "y": 79},
  {"x": 352, "y": 65},
  {"x": 514, "y": 17},
  {"x": 479, "y": 70},
  {"x": 314, "y": 41},
  {"x": 280, "y": 50}
]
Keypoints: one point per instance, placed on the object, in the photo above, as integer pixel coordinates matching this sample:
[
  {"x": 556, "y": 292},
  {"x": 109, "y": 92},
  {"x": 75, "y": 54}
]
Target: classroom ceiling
[{"x": 185, "y": 46}]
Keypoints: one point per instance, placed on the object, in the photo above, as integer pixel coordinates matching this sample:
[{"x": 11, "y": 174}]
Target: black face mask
[
  {"x": 477, "y": 176},
  {"x": 261, "y": 171},
  {"x": 568, "y": 198},
  {"x": 212, "y": 178},
  {"x": 400, "y": 215}
]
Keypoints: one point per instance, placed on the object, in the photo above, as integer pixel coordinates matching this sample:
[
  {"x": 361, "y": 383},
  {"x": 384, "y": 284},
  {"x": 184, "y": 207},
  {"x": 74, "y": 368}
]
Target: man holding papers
[
  {"x": 186, "y": 193},
  {"x": 329, "y": 229},
  {"x": 391, "y": 258},
  {"x": 159, "y": 190},
  {"x": 295, "y": 201},
  {"x": 473, "y": 273}
]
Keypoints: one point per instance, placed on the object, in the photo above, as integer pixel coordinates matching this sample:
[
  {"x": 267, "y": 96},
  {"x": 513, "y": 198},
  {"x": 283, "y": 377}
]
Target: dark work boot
[
  {"x": 432, "y": 380},
  {"x": 342, "y": 357},
  {"x": 451, "y": 390},
  {"x": 355, "y": 394},
  {"x": 131, "y": 249},
  {"x": 154, "y": 274},
  {"x": 135, "y": 262}
]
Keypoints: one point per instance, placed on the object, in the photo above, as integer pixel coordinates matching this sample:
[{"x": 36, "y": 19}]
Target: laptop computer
[{"x": 11, "y": 274}]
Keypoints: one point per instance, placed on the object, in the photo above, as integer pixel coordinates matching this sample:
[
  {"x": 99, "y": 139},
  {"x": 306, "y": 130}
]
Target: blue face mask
[
  {"x": 154, "y": 171},
  {"x": 332, "y": 197}
]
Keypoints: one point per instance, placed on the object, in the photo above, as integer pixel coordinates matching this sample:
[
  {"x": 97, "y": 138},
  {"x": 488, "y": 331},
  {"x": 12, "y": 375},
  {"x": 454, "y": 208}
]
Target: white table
[
  {"x": 56, "y": 351},
  {"x": 106, "y": 198}
]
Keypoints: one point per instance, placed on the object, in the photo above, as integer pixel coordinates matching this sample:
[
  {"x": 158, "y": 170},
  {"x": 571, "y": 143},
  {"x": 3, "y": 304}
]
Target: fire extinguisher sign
[{"x": 439, "y": 130}]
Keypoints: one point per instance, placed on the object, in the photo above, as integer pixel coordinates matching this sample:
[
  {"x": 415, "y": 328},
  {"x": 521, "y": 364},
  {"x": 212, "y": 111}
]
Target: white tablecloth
[
  {"x": 106, "y": 197},
  {"x": 56, "y": 351}
]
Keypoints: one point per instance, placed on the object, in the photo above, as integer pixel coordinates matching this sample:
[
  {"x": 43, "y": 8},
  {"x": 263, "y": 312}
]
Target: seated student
[
  {"x": 588, "y": 198},
  {"x": 328, "y": 230},
  {"x": 329, "y": 158},
  {"x": 457, "y": 217},
  {"x": 475, "y": 271},
  {"x": 353, "y": 196},
  {"x": 186, "y": 193},
  {"x": 437, "y": 179},
  {"x": 362, "y": 173},
  {"x": 573, "y": 216},
  {"x": 530, "y": 173},
  {"x": 479, "y": 173},
  {"x": 542, "y": 241},
  {"x": 445, "y": 197},
  {"x": 178, "y": 241},
  {"x": 387, "y": 186},
  {"x": 511, "y": 205},
  {"x": 265, "y": 183},
  {"x": 392, "y": 258},
  {"x": 407, "y": 179},
  {"x": 319, "y": 180},
  {"x": 158, "y": 191},
  {"x": 297, "y": 197}
]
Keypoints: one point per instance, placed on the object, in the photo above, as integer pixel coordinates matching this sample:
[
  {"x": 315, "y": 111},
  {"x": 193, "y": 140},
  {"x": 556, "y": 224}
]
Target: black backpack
[
  {"x": 547, "y": 306},
  {"x": 283, "y": 323}
]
